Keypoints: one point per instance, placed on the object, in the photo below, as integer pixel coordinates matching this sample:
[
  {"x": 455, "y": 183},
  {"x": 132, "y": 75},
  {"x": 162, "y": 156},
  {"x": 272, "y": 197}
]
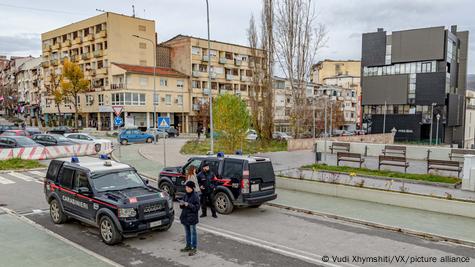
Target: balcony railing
[
  {"x": 196, "y": 107},
  {"x": 205, "y": 58},
  {"x": 55, "y": 62},
  {"x": 213, "y": 75},
  {"x": 55, "y": 46},
  {"x": 46, "y": 48},
  {"x": 98, "y": 53},
  {"x": 86, "y": 56},
  {"x": 223, "y": 60},
  {"x": 77, "y": 40},
  {"x": 89, "y": 38},
  {"x": 101, "y": 71},
  {"x": 115, "y": 86},
  {"x": 245, "y": 78},
  {"x": 206, "y": 91},
  {"x": 66, "y": 43},
  {"x": 64, "y": 59},
  {"x": 237, "y": 62},
  {"x": 101, "y": 34},
  {"x": 45, "y": 64},
  {"x": 196, "y": 73},
  {"x": 229, "y": 77}
]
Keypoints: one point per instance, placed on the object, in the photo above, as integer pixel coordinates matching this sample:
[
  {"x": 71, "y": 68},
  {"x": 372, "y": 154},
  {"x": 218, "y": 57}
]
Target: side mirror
[{"x": 84, "y": 190}]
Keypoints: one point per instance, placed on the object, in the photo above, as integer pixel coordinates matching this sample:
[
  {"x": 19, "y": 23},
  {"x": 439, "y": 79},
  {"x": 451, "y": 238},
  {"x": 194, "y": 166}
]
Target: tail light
[{"x": 245, "y": 182}]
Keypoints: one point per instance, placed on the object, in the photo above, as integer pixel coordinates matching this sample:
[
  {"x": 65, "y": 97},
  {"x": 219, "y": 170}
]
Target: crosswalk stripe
[
  {"x": 21, "y": 176},
  {"x": 5, "y": 181},
  {"x": 40, "y": 174}
]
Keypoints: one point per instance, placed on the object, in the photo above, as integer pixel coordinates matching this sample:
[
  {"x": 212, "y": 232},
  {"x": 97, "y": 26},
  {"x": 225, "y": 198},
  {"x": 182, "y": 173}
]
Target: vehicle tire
[
  {"x": 97, "y": 147},
  {"x": 149, "y": 140},
  {"x": 167, "y": 187},
  {"x": 255, "y": 206},
  {"x": 56, "y": 212},
  {"x": 124, "y": 142},
  {"x": 223, "y": 203},
  {"x": 108, "y": 231}
]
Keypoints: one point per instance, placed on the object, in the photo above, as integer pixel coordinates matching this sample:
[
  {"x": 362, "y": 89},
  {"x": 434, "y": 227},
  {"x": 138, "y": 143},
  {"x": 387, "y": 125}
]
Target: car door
[
  {"x": 180, "y": 180},
  {"x": 6, "y": 142},
  {"x": 67, "y": 195},
  {"x": 49, "y": 140},
  {"x": 84, "y": 203}
]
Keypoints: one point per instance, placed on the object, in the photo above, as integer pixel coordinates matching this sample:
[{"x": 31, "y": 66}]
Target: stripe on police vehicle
[
  {"x": 5, "y": 181},
  {"x": 21, "y": 176}
]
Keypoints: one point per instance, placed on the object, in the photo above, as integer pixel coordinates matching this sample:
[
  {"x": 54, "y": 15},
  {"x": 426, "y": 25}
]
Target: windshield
[
  {"x": 117, "y": 181},
  {"x": 25, "y": 141}
]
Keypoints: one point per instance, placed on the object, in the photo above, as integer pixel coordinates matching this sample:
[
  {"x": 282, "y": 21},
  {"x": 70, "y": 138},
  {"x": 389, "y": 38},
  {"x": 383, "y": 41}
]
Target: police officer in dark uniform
[{"x": 207, "y": 186}]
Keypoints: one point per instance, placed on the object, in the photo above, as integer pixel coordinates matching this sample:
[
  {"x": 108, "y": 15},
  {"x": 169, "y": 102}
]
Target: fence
[{"x": 52, "y": 152}]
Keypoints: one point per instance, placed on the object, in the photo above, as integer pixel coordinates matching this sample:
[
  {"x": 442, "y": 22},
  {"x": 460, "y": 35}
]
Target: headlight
[
  {"x": 127, "y": 213},
  {"x": 169, "y": 199}
]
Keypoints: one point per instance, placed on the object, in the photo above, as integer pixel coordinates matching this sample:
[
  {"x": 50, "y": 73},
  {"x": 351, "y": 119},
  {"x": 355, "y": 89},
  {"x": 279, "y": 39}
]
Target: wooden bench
[
  {"x": 351, "y": 157},
  {"x": 397, "y": 150},
  {"x": 444, "y": 165},
  {"x": 393, "y": 161},
  {"x": 340, "y": 146},
  {"x": 459, "y": 153}
]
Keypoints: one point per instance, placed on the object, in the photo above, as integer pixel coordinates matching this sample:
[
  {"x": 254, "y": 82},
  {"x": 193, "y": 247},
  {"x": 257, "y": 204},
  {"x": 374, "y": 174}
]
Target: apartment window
[
  {"x": 168, "y": 99},
  {"x": 156, "y": 99},
  {"x": 143, "y": 81},
  {"x": 195, "y": 50},
  {"x": 143, "y": 62},
  {"x": 163, "y": 82},
  {"x": 128, "y": 99},
  {"x": 142, "y": 45},
  {"x": 180, "y": 83},
  {"x": 100, "y": 99},
  {"x": 98, "y": 28},
  {"x": 142, "y": 28},
  {"x": 89, "y": 100},
  {"x": 79, "y": 100},
  {"x": 180, "y": 100},
  {"x": 135, "y": 99},
  {"x": 195, "y": 84},
  {"x": 142, "y": 99},
  {"x": 213, "y": 53}
]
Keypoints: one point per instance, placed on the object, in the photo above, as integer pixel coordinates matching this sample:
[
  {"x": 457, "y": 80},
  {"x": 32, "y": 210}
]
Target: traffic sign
[
  {"x": 163, "y": 122},
  {"x": 118, "y": 121},
  {"x": 117, "y": 110}
]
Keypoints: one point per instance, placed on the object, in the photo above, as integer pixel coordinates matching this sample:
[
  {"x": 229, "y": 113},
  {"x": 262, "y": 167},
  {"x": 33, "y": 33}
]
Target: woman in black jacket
[{"x": 190, "y": 206}]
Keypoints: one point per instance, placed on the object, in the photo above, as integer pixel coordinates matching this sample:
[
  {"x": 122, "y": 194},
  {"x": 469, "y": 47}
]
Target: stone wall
[{"x": 307, "y": 144}]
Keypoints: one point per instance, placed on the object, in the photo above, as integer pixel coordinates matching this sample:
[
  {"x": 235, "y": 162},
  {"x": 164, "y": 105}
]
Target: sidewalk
[{"x": 24, "y": 244}]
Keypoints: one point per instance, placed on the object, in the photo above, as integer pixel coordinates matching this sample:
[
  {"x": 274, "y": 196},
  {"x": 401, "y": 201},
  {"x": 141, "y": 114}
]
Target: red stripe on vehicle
[{"x": 53, "y": 186}]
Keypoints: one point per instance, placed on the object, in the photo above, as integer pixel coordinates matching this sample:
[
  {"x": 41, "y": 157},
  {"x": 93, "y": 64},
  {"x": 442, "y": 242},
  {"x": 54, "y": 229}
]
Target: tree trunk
[{"x": 60, "y": 120}]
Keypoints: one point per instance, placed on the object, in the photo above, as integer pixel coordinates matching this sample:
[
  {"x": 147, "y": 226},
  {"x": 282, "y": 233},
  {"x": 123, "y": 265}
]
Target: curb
[{"x": 428, "y": 236}]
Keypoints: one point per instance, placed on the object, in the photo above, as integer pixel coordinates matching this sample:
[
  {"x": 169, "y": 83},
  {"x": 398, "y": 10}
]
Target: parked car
[
  {"x": 252, "y": 135},
  {"x": 133, "y": 136},
  {"x": 4, "y": 128},
  {"x": 281, "y": 136},
  {"x": 53, "y": 140},
  {"x": 172, "y": 132},
  {"x": 17, "y": 141},
  {"x": 108, "y": 195},
  {"x": 62, "y": 130},
  {"x": 83, "y": 138},
  {"x": 16, "y": 133},
  {"x": 242, "y": 181},
  {"x": 33, "y": 130}
]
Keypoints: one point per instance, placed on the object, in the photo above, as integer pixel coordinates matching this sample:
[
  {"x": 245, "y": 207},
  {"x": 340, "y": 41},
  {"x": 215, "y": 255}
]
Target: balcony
[
  {"x": 223, "y": 60},
  {"x": 76, "y": 58},
  {"x": 101, "y": 34},
  {"x": 102, "y": 71},
  {"x": 66, "y": 43},
  {"x": 86, "y": 56},
  {"x": 206, "y": 91},
  {"x": 213, "y": 75},
  {"x": 205, "y": 58},
  {"x": 98, "y": 53},
  {"x": 229, "y": 77},
  {"x": 56, "y": 46},
  {"x": 116, "y": 86},
  {"x": 237, "y": 62},
  {"x": 89, "y": 38},
  {"x": 55, "y": 62},
  {"x": 45, "y": 64},
  {"x": 64, "y": 59},
  {"x": 77, "y": 40},
  {"x": 196, "y": 73},
  {"x": 46, "y": 48},
  {"x": 245, "y": 78},
  {"x": 196, "y": 107}
]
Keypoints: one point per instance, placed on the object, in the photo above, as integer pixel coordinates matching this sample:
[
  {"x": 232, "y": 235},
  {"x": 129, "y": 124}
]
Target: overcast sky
[{"x": 23, "y": 21}]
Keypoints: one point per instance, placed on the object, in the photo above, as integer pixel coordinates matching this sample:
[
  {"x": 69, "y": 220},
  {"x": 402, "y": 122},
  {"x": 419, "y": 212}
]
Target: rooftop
[
  {"x": 179, "y": 36},
  {"x": 159, "y": 71}
]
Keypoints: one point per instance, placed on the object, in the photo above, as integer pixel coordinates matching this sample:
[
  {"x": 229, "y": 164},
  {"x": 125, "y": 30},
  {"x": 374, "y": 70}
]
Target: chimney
[
  {"x": 453, "y": 29},
  {"x": 380, "y": 29}
]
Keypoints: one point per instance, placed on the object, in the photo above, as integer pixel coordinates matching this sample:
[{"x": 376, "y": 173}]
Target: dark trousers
[
  {"x": 207, "y": 201},
  {"x": 190, "y": 235}
]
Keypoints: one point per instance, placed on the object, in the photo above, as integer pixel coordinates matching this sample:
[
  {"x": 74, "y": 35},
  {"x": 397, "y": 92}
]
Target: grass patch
[
  {"x": 391, "y": 174},
  {"x": 195, "y": 147},
  {"x": 16, "y": 163}
]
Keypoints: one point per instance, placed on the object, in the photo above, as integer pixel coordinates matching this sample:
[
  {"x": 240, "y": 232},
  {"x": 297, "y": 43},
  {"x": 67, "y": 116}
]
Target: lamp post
[
  {"x": 211, "y": 129},
  {"x": 437, "y": 130},
  {"x": 154, "y": 87},
  {"x": 325, "y": 135},
  {"x": 384, "y": 116},
  {"x": 431, "y": 122}
]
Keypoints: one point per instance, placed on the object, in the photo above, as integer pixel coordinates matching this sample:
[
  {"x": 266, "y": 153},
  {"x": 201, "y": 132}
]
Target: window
[
  {"x": 196, "y": 163},
  {"x": 128, "y": 99},
  {"x": 195, "y": 50},
  {"x": 168, "y": 99},
  {"x": 80, "y": 180},
  {"x": 142, "y": 28},
  {"x": 135, "y": 99},
  {"x": 143, "y": 81},
  {"x": 142, "y": 45},
  {"x": 180, "y": 100},
  {"x": 195, "y": 84},
  {"x": 66, "y": 178},
  {"x": 180, "y": 83},
  {"x": 156, "y": 99},
  {"x": 89, "y": 100},
  {"x": 100, "y": 99},
  {"x": 163, "y": 82},
  {"x": 142, "y": 99},
  {"x": 232, "y": 169}
]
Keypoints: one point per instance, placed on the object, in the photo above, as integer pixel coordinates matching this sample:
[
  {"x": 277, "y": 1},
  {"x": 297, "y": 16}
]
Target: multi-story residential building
[
  {"x": 94, "y": 44},
  {"x": 344, "y": 99},
  {"x": 411, "y": 76},
  {"x": 469, "y": 119},
  {"x": 9, "y": 85},
  {"x": 29, "y": 82},
  {"x": 282, "y": 104},
  {"x": 3, "y": 62},
  {"x": 230, "y": 68}
]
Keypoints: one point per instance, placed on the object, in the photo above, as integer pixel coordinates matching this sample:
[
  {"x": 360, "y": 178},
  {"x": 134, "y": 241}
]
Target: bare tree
[
  {"x": 256, "y": 79},
  {"x": 297, "y": 42}
]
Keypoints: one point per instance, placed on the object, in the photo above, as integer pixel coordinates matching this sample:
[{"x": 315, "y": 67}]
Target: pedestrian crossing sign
[{"x": 163, "y": 122}]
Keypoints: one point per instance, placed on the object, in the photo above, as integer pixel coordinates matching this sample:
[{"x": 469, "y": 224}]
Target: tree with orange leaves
[{"x": 73, "y": 84}]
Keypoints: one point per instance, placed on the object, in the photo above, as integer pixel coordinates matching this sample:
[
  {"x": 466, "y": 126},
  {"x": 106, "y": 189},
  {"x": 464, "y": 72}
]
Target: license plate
[
  {"x": 255, "y": 187},
  {"x": 155, "y": 224}
]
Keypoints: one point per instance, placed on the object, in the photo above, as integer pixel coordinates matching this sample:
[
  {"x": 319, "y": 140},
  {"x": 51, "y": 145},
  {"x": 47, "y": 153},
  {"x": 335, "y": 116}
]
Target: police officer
[{"x": 207, "y": 186}]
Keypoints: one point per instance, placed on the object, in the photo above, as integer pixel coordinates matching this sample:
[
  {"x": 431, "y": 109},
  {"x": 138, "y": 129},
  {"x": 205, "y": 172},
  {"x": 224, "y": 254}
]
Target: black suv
[
  {"x": 108, "y": 195},
  {"x": 241, "y": 180}
]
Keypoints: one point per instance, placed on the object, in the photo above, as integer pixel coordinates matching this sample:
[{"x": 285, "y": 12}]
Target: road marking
[
  {"x": 5, "y": 181},
  {"x": 67, "y": 241},
  {"x": 40, "y": 174},
  {"x": 21, "y": 176}
]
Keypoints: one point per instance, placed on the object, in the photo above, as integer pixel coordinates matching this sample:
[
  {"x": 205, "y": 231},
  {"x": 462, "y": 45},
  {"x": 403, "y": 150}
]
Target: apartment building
[
  {"x": 94, "y": 44},
  {"x": 282, "y": 104},
  {"x": 9, "y": 85},
  {"x": 345, "y": 100},
  {"x": 469, "y": 119},
  {"x": 230, "y": 67},
  {"x": 29, "y": 84},
  {"x": 411, "y": 76}
]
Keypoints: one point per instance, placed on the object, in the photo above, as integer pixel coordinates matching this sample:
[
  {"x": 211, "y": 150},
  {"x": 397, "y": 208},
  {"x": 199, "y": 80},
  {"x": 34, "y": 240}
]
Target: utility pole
[
  {"x": 384, "y": 117},
  {"x": 431, "y": 122},
  {"x": 211, "y": 129},
  {"x": 437, "y": 130},
  {"x": 331, "y": 118}
]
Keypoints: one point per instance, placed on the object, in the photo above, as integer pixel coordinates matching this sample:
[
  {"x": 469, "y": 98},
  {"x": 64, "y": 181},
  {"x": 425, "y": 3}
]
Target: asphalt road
[{"x": 266, "y": 236}]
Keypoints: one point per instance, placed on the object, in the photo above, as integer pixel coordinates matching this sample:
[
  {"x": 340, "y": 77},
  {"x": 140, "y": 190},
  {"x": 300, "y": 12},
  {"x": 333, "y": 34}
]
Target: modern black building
[{"x": 411, "y": 76}]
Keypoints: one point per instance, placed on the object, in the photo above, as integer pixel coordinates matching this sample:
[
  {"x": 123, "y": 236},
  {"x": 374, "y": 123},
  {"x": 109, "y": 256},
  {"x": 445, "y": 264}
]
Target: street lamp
[
  {"x": 431, "y": 122},
  {"x": 154, "y": 87},
  {"x": 437, "y": 130},
  {"x": 211, "y": 129}
]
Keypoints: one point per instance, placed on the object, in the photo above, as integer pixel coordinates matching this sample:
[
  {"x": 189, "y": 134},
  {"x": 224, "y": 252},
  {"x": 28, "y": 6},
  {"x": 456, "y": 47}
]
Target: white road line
[
  {"x": 38, "y": 181},
  {"x": 5, "y": 181},
  {"x": 40, "y": 174},
  {"x": 67, "y": 241},
  {"x": 21, "y": 176}
]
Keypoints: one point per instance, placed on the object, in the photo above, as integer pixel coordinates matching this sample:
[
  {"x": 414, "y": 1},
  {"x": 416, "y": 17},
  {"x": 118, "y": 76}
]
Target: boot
[
  {"x": 186, "y": 249},
  {"x": 192, "y": 252}
]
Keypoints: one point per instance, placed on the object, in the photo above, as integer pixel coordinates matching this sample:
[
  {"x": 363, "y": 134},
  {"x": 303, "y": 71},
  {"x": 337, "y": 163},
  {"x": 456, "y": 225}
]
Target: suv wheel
[
  {"x": 167, "y": 187},
  {"x": 56, "y": 213},
  {"x": 149, "y": 140},
  {"x": 124, "y": 142},
  {"x": 109, "y": 233},
  {"x": 223, "y": 203}
]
